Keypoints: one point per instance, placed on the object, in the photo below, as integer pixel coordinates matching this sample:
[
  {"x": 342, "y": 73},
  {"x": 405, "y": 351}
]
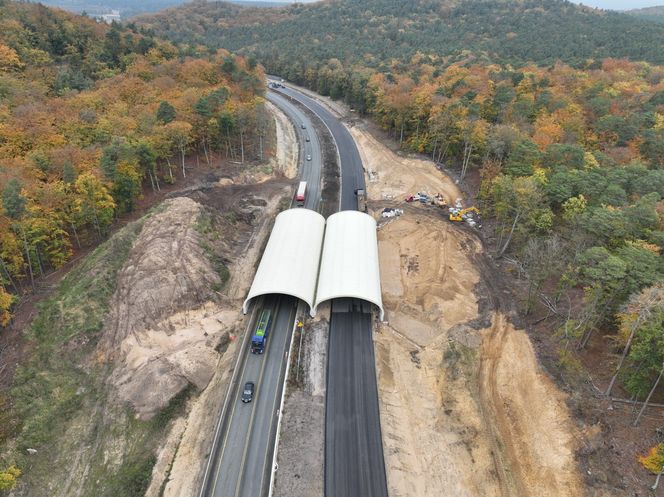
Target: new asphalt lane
[
  {"x": 354, "y": 464},
  {"x": 354, "y": 461}
]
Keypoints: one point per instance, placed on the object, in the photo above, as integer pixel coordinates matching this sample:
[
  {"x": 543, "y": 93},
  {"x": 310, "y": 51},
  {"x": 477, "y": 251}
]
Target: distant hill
[
  {"x": 265, "y": 5},
  {"x": 650, "y": 13},
  {"x": 377, "y": 31},
  {"x": 127, "y": 8}
]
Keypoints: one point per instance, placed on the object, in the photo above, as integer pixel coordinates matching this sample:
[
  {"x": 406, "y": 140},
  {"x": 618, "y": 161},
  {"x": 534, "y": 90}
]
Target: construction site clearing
[{"x": 456, "y": 212}]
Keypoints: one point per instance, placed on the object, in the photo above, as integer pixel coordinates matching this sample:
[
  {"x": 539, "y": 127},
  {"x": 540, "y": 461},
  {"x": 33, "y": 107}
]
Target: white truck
[{"x": 301, "y": 192}]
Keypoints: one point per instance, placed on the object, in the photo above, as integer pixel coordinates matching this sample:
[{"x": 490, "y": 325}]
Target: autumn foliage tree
[{"x": 92, "y": 114}]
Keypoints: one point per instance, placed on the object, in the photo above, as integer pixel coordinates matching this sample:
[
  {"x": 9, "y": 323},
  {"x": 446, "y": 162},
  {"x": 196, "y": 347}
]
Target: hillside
[
  {"x": 127, "y": 8},
  {"x": 380, "y": 31},
  {"x": 91, "y": 114},
  {"x": 655, "y": 14}
]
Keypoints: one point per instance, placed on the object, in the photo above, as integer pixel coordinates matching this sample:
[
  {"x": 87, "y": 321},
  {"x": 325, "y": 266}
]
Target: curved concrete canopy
[
  {"x": 349, "y": 265},
  {"x": 290, "y": 262}
]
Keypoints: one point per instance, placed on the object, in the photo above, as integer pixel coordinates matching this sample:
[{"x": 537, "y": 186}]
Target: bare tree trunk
[
  {"x": 242, "y": 146},
  {"x": 184, "y": 173},
  {"x": 205, "y": 151},
  {"x": 151, "y": 181},
  {"x": 73, "y": 228},
  {"x": 656, "y": 484},
  {"x": 170, "y": 170},
  {"x": 27, "y": 254},
  {"x": 623, "y": 357},
  {"x": 652, "y": 390},
  {"x": 9, "y": 276},
  {"x": 509, "y": 238},
  {"x": 466, "y": 159},
  {"x": 260, "y": 138}
]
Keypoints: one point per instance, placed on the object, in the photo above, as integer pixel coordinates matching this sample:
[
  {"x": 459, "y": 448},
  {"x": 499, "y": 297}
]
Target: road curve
[
  {"x": 310, "y": 170},
  {"x": 352, "y": 171}
]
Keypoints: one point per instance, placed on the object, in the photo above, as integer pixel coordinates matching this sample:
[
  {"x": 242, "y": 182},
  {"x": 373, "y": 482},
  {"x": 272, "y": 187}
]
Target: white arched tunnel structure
[
  {"x": 317, "y": 261},
  {"x": 290, "y": 262},
  {"x": 349, "y": 265}
]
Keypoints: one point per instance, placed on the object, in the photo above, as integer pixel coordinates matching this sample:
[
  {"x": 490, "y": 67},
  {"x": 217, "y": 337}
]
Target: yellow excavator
[{"x": 459, "y": 215}]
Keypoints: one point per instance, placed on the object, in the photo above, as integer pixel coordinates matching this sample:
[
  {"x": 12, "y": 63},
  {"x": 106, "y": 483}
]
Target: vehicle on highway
[
  {"x": 259, "y": 339},
  {"x": 307, "y": 139},
  {"x": 301, "y": 192},
  {"x": 248, "y": 392},
  {"x": 303, "y": 126},
  {"x": 308, "y": 157},
  {"x": 361, "y": 200}
]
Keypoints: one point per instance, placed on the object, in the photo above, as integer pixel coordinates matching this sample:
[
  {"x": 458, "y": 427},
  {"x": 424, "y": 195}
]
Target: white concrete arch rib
[
  {"x": 290, "y": 262},
  {"x": 349, "y": 264}
]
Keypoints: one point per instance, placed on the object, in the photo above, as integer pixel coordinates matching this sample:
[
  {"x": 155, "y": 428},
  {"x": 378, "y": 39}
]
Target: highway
[
  {"x": 242, "y": 456},
  {"x": 245, "y": 459},
  {"x": 310, "y": 171},
  {"x": 354, "y": 461},
  {"x": 352, "y": 171}
]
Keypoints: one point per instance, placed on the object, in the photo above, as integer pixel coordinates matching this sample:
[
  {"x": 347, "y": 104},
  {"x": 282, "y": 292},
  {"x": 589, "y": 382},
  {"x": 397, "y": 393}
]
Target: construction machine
[{"x": 466, "y": 214}]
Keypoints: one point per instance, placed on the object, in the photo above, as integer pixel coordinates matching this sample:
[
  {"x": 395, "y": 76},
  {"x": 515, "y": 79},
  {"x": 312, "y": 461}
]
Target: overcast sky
[{"x": 620, "y": 4}]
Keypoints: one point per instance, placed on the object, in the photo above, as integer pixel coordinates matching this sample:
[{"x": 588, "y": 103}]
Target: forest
[
  {"x": 655, "y": 14},
  {"x": 90, "y": 116},
  {"x": 374, "y": 33},
  {"x": 572, "y": 173}
]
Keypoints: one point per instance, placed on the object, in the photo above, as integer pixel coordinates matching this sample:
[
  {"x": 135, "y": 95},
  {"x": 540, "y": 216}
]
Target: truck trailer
[
  {"x": 259, "y": 340},
  {"x": 361, "y": 200},
  {"x": 301, "y": 192}
]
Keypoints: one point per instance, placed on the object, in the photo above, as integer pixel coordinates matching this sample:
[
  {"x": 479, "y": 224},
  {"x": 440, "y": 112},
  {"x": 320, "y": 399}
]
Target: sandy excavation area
[{"x": 465, "y": 408}]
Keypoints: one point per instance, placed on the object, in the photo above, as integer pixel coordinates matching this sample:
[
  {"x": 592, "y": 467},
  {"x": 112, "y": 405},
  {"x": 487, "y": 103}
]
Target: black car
[{"x": 248, "y": 392}]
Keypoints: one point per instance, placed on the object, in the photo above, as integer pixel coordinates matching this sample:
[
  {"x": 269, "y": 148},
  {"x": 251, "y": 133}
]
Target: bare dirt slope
[
  {"x": 392, "y": 176},
  {"x": 465, "y": 408}
]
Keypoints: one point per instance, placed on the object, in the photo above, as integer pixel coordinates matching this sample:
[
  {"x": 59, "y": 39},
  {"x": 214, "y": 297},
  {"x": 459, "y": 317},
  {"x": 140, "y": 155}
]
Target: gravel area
[{"x": 300, "y": 458}]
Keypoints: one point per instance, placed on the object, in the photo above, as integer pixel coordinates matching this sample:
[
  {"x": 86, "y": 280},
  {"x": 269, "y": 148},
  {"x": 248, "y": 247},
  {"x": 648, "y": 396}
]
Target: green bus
[{"x": 259, "y": 339}]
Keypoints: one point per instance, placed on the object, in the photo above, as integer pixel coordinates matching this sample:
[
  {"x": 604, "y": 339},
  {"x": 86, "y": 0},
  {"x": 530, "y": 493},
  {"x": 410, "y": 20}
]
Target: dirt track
[{"x": 466, "y": 409}]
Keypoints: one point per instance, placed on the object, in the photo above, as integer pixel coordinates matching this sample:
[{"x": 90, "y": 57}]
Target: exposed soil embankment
[{"x": 465, "y": 408}]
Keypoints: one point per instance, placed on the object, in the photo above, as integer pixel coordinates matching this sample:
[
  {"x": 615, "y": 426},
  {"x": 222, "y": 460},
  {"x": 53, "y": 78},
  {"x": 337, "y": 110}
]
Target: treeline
[
  {"x": 377, "y": 32},
  {"x": 655, "y": 14},
  {"x": 92, "y": 114}
]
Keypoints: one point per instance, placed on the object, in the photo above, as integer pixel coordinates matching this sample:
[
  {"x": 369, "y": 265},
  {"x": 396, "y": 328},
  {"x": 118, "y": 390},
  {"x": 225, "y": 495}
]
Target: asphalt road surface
[
  {"x": 310, "y": 170},
  {"x": 245, "y": 453},
  {"x": 352, "y": 172},
  {"x": 354, "y": 462},
  {"x": 245, "y": 460}
]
